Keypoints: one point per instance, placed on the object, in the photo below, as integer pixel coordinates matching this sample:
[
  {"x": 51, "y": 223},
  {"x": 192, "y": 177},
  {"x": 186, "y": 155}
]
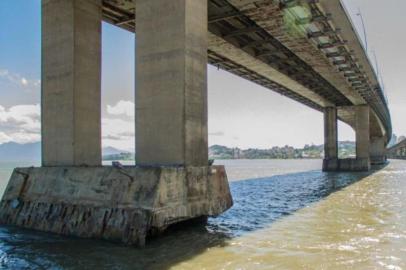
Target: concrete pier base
[
  {"x": 111, "y": 203},
  {"x": 346, "y": 165},
  {"x": 378, "y": 160},
  {"x": 377, "y": 150},
  {"x": 330, "y": 164}
]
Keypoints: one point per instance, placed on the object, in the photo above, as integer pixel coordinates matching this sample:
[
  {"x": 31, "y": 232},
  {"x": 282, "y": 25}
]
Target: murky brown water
[{"x": 294, "y": 218}]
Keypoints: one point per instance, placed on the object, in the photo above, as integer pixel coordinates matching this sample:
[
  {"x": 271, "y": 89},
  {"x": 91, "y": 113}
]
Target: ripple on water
[{"x": 297, "y": 220}]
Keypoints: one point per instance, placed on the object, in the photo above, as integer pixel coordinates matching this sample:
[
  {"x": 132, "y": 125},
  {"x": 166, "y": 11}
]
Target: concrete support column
[
  {"x": 330, "y": 161},
  {"x": 71, "y": 81},
  {"x": 171, "y": 82},
  {"x": 377, "y": 150},
  {"x": 362, "y": 136}
]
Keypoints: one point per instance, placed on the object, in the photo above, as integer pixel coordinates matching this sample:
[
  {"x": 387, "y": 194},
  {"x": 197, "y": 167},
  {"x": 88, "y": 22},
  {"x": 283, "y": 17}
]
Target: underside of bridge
[{"x": 306, "y": 50}]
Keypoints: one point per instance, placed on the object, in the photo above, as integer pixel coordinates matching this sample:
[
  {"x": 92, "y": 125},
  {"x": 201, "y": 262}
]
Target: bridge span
[
  {"x": 306, "y": 50},
  {"x": 397, "y": 151}
]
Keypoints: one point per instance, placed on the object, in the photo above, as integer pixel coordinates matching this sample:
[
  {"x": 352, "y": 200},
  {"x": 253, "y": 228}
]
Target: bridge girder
[{"x": 329, "y": 60}]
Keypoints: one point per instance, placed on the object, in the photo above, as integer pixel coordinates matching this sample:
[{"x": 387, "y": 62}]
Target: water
[{"x": 287, "y": 215}]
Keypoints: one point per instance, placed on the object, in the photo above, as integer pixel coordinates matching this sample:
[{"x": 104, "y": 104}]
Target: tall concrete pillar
[
  {"x": 71, "y": 80},
  {"x": 171, "y": 82},
  {"x": 330, "y": 161},
  {"x": 377, "y": 150},
  {"x": 362, "y": 136}
]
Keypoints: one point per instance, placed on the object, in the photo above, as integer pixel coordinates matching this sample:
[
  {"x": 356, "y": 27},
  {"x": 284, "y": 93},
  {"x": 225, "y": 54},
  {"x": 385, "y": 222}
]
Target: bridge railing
[{"x": 375, "y": 68}]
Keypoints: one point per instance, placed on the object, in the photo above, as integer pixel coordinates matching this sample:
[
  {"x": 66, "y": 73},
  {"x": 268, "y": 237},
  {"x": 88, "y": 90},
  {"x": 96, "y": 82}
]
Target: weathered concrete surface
[
  {"x": 171, "y": 91},
  {"x": 362, "y": 134},
  {"x": 360, "y": 119},
  {"x": 377, "y": 150},
  {"x": 346, "y": 165},
  {"x": 330, "y": 164},
  {"x": 330, "y": 139},
  {"x": 111, "y": 203},
  {"x": 269, "y": 15},
  {"x": 226, "y": 49},
  {"x": 71, "y": 81}
]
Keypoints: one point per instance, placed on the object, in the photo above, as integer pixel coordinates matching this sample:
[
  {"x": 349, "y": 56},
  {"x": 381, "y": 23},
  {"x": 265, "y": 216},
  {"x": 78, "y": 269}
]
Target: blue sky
[{"x": 240, "y": 113}]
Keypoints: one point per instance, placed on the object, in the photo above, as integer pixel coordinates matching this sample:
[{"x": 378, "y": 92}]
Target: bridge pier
[
  {"x": 362, "y": 138},
  {"x": 330, "y": 162},
  {"x": 362, "y": 162},
  {"x": 72, "y": 193},
  {"x": 377, "y": 150},
  {"x": 71, "y": 83},
  {"x": 171, "y": 91}
]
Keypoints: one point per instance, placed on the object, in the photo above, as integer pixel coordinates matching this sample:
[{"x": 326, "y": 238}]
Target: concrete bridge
[
  {"x": 397, "y": 151},
  {"x": 305, "y": 50}
]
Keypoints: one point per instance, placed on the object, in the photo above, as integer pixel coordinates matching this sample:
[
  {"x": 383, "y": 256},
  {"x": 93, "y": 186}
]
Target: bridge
[
  {"x": 397, "y": 151},
  {"x": 306, "y": 50}
]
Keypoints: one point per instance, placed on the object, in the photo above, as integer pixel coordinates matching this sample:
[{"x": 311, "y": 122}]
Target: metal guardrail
[{"x": 375, "y": 68}]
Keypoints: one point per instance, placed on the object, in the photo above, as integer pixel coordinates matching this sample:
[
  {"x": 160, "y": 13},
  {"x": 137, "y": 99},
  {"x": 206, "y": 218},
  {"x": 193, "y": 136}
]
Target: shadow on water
[{"x": 257, "y": 203}]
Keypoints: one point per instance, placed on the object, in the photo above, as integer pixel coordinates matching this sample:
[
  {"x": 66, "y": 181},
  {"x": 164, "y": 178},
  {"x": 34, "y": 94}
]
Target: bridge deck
[
  {"x": 397, "y": 151},
  {"x": 305, "y": 50}
]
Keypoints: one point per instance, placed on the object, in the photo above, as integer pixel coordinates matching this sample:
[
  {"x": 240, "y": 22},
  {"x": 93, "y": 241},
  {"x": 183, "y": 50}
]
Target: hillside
[
  {"x": 31, "y": 152},
  {"x": 346, "y": 149},
  {"x": 20, "y": 152}
]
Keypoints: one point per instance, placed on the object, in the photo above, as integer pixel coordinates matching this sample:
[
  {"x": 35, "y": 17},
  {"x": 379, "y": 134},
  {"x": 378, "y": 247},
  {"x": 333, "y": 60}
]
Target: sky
[{"x": 241, "y": 114}]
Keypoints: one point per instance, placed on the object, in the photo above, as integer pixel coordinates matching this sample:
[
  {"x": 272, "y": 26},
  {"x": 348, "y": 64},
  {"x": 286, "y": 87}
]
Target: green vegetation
[
  {"x": 120, "y": 156},
  {"x": 346, "y": 150}
]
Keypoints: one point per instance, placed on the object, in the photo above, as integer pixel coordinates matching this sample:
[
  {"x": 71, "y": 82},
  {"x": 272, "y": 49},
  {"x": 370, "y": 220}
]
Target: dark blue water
[{"x": 259, "y": 202}]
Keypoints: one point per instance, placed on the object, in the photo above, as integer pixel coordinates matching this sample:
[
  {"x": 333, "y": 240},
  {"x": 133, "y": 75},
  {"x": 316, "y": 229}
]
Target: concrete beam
[
  {"x": 71, "y": 82},
  {"x": 228, "y": 50},
  {"x": 171, "y": 90}
]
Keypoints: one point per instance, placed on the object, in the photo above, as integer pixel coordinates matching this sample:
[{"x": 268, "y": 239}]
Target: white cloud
[
  {"x": 17, "y": 79},
  {"x": 119, "y": 133},
  {"x": 3, "y": 72},
  {"x": 123, "y": 107},
  {"x": 4, "y": 138},
  {"x": 20, "y": 123},
  {"x": 118, "y": 128}
]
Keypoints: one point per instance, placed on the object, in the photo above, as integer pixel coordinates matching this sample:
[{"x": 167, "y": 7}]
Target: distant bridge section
[{"x": 397, "y": 151}]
